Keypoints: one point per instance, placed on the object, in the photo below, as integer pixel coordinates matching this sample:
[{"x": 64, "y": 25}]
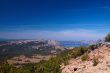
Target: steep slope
[{"x": 102, "y": 54}]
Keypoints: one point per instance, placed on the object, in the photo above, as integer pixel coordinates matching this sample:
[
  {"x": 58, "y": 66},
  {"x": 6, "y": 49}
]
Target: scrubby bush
[
  {"x": 92, "y": 47},
  {"x": 95, "y": 62},
  {"x": 85, "y": 57}
]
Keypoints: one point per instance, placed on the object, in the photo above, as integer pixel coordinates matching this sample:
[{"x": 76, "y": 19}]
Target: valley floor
[{"x": 18, "y": 61}]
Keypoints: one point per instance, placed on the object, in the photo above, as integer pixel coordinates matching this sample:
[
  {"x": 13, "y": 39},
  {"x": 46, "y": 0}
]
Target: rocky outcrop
[{"x": 102, "y": 54}]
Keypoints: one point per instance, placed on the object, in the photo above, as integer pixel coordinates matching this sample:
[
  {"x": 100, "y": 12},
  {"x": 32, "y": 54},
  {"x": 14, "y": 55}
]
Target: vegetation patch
[
  {"x": 85, "y": 57},
  {"x": 107, "y": 38},
  {"x": 95, "y": 62}
]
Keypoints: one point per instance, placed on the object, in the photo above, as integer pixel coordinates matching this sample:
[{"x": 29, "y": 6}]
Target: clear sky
[{"x": 54, "y": 19}]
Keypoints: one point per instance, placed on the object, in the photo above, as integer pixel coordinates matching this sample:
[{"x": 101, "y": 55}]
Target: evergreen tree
[{"x": 107, "y": 38}]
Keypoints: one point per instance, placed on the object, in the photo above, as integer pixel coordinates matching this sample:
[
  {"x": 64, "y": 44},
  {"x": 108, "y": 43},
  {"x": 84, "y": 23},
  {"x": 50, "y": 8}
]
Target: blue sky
[{"x": 54, "y": 19}]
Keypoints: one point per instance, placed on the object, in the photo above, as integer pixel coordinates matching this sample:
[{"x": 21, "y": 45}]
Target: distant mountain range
[
  {"x": 29, "y": 47},
  {"x": 61, "y": 43}
]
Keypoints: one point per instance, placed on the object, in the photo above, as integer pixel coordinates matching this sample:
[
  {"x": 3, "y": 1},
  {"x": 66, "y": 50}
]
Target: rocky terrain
[{"x": 101, "y": 54}]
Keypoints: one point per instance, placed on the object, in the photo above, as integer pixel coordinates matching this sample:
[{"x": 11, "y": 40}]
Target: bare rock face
[{"x": 102, "y": 54}]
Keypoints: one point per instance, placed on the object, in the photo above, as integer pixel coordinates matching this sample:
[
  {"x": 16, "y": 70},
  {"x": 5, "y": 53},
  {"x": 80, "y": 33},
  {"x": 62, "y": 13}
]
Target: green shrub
[
  {"x": 95, "y": 62},
  {"x": 85, "y": 57},
  {"x": 92, "y": 47}
]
